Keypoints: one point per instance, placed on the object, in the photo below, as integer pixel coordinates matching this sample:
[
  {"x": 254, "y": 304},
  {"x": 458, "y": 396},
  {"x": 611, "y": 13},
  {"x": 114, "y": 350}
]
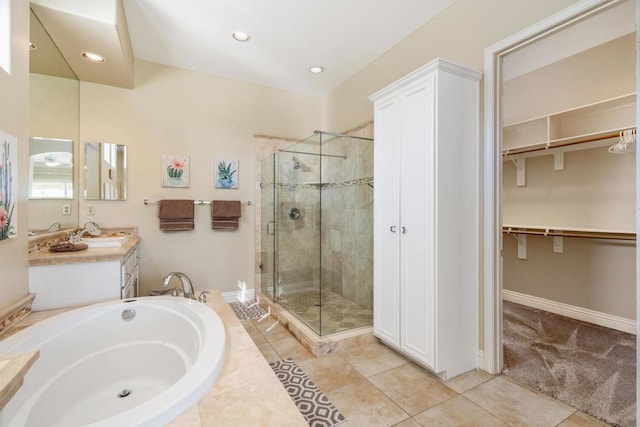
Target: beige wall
[
  {"x": 173, "y": 111},
  {"x": 459, "y": 34},
  {"x": 13, "y": 120}
]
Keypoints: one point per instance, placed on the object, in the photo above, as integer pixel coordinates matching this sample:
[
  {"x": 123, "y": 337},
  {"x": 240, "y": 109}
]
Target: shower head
[{"x": 296, "y": 162}]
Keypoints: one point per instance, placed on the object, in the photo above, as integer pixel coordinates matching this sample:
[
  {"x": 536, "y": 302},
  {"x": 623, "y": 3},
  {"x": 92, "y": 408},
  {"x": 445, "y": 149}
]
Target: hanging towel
[
  {"x": 225, "y": 214},
  {"x": 176, "y": 215}
]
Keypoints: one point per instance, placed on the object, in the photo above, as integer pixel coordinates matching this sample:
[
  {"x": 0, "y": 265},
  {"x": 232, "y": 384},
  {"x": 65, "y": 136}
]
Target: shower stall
[{"x": 317, "y": 231}]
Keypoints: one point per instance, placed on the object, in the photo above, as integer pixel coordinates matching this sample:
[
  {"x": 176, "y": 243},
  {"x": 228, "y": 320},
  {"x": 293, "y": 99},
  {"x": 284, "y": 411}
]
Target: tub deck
[{"x": 246, "y": 392}]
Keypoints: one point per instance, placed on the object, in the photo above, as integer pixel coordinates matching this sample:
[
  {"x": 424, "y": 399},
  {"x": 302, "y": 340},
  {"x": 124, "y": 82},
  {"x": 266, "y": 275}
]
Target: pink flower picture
[{"x": 175, "y": 170}]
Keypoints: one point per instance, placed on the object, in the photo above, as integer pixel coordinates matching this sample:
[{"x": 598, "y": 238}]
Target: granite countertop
[{"x": 45, "y": 257}]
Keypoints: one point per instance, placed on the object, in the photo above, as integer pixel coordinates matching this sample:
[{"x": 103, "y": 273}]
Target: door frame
[{"x": 491, "y": 182}]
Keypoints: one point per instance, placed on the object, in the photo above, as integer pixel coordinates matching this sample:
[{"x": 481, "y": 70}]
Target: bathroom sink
[{"x": 105, "y": 242}]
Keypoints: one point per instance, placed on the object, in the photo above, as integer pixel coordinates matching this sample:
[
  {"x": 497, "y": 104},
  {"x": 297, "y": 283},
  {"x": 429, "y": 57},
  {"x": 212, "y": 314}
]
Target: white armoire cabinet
[{"x": 426, "y": 216}]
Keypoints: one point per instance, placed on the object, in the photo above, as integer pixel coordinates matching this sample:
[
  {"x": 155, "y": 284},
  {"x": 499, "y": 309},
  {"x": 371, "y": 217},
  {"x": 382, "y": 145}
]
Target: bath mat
[
  {"x": 247, "y": 310},
  {"x": 313, "y": 404},
  {"x": 589, "y": 367}
]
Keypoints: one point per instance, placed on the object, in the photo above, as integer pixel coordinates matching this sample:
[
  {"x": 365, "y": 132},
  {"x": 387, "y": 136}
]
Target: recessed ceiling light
[
  {"x": 241, "y": 36},
  {"x": 316, "y": 69},
  {"x": 32, "y": 46},
  {"x": 93, "y": 57}
]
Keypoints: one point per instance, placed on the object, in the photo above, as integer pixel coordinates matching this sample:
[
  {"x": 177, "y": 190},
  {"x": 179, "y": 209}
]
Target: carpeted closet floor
[{"x": 589, "y": 367}]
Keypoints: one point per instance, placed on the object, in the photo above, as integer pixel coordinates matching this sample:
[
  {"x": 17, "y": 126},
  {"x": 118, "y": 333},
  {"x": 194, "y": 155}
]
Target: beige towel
[
  {"x": 176, "y": 215},
  {"x": 225, "y": 209},
  {"x": 225, "y": 214}
]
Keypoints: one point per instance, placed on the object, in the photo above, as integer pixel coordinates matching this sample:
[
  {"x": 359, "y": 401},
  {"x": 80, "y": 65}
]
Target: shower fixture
[{"x": 296, "y": 162}]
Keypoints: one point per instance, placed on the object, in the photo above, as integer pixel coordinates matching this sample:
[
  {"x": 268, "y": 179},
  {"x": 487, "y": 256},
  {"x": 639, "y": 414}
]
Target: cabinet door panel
[
  {"x": 417, "y": 220},
  {"x": 386, "y": 302}
]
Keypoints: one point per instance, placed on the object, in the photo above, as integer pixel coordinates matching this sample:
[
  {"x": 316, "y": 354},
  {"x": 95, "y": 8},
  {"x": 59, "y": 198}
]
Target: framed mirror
[
  {"x": 105, "y": 171},
  {"x": 53, "y": 129},
  {"x": 50, "y": 168}
]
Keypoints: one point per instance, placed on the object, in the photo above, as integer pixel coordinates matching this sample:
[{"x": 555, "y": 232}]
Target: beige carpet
[{"x": 589, "y": 367}]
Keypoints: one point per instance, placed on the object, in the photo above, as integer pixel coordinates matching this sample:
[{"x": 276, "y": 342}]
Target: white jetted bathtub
[{"x": 138, "y": 362}]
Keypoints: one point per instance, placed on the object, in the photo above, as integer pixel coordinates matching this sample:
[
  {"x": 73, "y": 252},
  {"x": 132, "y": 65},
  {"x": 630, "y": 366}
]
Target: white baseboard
[
  {"x": 239, "y": 296},
  {"x": 571, "y": 311}
]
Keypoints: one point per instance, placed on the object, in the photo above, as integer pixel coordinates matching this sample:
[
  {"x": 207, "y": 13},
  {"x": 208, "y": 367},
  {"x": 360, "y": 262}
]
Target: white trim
[
  {"x": 596, "y": 317},
  {"x": 492, "y": 172},
  {"x": 239, "y": 296},
  {"x": 480, "y": 358}
]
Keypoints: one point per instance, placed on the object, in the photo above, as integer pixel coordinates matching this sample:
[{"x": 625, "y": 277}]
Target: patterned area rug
[
  {"x": 589, "y": 367},
  {"x": 313, "y": 404},
  {"x": 247, "y": 310}
]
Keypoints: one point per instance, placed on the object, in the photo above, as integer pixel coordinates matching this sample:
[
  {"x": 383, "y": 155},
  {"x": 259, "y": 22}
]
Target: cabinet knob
[
  {"x": 392, "y": 228},
  {"x": 404, "y": 230}
]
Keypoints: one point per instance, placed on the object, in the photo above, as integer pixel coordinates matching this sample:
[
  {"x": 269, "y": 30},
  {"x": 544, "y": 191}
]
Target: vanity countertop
[{"x": 45, "y": 257}]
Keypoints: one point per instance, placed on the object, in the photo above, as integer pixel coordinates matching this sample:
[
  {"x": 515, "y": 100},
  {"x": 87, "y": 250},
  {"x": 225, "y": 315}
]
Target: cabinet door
[
  {"x": 417, "y": 177},
  {"x": 386, "y": 297}
]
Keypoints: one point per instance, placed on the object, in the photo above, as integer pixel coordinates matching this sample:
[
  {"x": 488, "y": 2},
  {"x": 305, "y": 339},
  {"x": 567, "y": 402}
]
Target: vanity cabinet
[
  {"x": 426, "y": 216},
  {"x": 95, "y": 279}
]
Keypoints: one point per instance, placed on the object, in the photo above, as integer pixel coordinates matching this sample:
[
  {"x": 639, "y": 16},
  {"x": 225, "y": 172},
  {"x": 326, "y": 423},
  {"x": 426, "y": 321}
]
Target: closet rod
[
  {"x": 195, "y": 202},
  {"x": 609, "y": 235},
  {"x": 540, "y": 147}
]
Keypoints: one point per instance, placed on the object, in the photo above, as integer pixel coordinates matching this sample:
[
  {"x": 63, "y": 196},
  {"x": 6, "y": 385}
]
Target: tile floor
[
  {"x": 375, "y": 386},
  {"x": 337, "y": 313}
]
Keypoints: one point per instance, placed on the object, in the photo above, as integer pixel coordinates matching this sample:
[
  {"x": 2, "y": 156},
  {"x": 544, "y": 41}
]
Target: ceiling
[{"x": 287, "y": 36}]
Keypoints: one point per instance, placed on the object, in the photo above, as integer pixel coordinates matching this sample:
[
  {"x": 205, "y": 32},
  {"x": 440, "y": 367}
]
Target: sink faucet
[
  {"x": 187, "y": 287},
  {"x": 89, "y": 228}
]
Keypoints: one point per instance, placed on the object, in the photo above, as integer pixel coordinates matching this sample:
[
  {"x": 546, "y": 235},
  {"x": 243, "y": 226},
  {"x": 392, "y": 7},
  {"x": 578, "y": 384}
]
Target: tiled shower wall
[{"x": 346, "y": 217}]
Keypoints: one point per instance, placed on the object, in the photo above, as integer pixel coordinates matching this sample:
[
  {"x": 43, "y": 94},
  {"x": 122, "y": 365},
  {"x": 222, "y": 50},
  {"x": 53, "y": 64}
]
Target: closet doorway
[{"x": 560, "y": 206}]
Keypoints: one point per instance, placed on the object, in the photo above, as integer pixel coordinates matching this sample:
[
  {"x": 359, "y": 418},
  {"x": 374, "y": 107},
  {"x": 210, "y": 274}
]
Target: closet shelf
[
  {"x": 569, "y": 232},
  {"x": 579, "y": 126},
  {"x": 593, "y": 140}
]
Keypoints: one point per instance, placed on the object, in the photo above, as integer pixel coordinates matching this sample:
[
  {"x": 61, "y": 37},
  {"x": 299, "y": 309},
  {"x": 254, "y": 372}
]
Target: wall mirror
[
  {"x": 53, "y": 130},
  {"x": 105, "y": 171},
  {"x": 50, "y": 168}
]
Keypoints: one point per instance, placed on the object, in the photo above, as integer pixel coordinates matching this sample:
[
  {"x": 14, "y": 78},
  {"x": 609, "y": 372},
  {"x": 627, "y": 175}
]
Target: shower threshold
[{"x": 317, "y": 345}]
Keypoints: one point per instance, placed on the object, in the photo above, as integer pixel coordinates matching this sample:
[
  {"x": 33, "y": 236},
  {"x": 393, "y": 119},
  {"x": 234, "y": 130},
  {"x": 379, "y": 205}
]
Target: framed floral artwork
[
  {"x": 175, "y": 170},
  {"x": 226, "y": 173},
  {"x": 8, "y": 186}
]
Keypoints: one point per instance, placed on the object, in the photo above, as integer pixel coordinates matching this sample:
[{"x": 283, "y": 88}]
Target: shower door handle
[{"x": 272, "y": 231}]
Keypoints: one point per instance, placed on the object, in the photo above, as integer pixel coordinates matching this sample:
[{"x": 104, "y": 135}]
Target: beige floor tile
[
  {"x": 412, "y": 388},
  {"x": 189, "y": 418},
  {"x": 409, "y": 422},
  {"x": 268, "y": 352},
  {"x": 252, "y": 406},
  {"x": 364, "y": 405},
  {"x": 253, "y": 332},
  {"x": 580, "y": 419},
  {"x": 290, "y": 348},
  {"x": 275, "y": 333},
  {"x": 458, "y": 412},
  {"x": 330, "y": 372},
  {"x": 517, "y": 405},
  {"x": 468, "y": 380},
  {"x": 374, "y": 358}
]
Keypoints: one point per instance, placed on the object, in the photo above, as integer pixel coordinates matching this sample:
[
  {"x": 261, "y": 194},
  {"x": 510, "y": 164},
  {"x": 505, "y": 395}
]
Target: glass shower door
[
  {"x": 298, "y": 237},
  {"x": 267, "y": 227}
]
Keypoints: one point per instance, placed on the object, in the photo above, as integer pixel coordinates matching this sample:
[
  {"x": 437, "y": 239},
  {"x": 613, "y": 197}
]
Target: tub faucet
[{"x": 187, "y": 287}]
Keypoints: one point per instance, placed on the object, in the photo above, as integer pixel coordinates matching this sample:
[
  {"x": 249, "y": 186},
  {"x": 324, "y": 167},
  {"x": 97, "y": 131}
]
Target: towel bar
[{"x": 195, "y": 202}]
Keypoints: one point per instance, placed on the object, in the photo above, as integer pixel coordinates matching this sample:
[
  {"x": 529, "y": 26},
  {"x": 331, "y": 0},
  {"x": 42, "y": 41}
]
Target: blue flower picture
[{"x": 226, "y": 174}]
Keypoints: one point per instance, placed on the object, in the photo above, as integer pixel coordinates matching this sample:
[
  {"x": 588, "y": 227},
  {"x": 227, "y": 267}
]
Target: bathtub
[{"x": 138, "y": 362}]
